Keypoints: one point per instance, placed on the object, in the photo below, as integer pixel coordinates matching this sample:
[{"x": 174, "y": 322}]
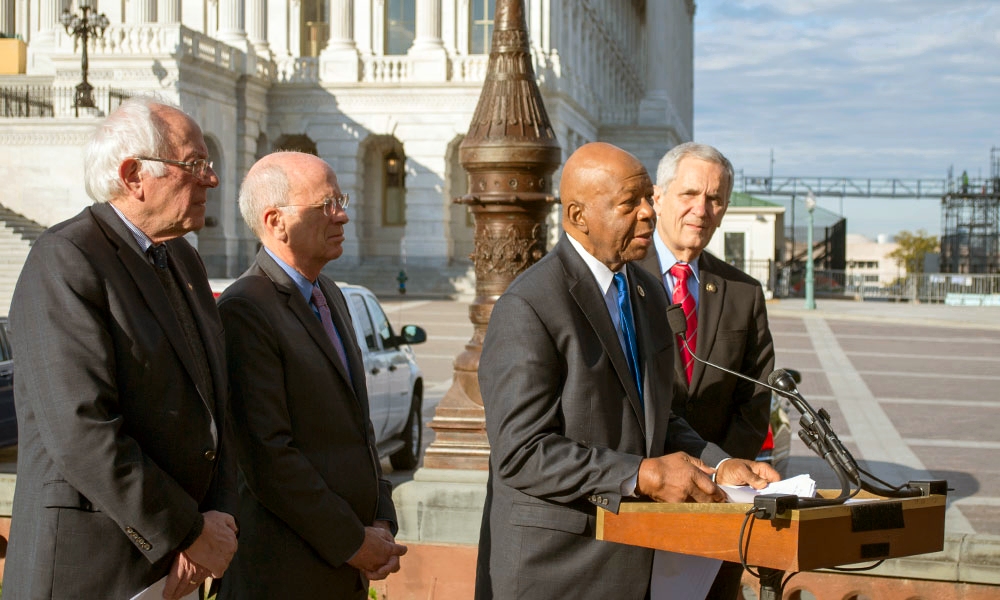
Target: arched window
[
  {"x": 400, "y": 25},
  {"x": 394, "y": 190},
  {"x": 481, "y": 26}
]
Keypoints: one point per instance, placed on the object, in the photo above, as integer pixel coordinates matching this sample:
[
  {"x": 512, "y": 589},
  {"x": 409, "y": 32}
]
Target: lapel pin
[
  {"x": 190, "y": 287},
  {"x": 642, "y": 292},
  {"x": 710, "y": 287}
]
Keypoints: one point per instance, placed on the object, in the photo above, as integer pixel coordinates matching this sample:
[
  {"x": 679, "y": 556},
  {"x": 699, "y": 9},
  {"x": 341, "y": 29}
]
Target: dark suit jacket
[
  {"x": 566, "y": 430},
  {"x": 310, "y": 479},
  {"x": 733, "y": 333},
  {"x": 116, "y": 460}
]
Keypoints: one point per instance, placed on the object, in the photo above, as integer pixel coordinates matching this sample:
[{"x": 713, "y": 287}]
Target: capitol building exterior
[{"x": 383, "y": 90}]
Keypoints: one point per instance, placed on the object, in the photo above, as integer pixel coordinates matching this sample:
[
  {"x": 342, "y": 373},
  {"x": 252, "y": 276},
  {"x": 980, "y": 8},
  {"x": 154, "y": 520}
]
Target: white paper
[
  {"x": 155, "y": 592},
  {"x": 681, "y": 576},
  {"x": 802, "y": 486}
]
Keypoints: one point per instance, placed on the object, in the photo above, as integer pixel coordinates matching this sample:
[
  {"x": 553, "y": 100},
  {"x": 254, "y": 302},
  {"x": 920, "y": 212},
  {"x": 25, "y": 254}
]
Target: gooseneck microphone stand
[{"x": 819, "y": 436}]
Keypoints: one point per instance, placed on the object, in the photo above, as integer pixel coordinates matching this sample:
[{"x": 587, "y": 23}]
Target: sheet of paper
[
  {"x": 155, "y": 592},
  {"x": 681, "y": 576},
  {"x": 802, "y": 486}
]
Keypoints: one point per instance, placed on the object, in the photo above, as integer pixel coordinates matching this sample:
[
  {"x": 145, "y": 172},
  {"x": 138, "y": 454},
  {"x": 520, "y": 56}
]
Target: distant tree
[{"x": 912, "y": 248}]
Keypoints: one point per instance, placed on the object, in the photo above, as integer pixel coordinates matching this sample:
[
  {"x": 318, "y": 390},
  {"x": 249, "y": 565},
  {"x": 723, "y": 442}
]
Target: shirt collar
[
  {"x": 141, "y": 238},
  {"x": 304, "y": 285},
  {"x": 667, "y": 260},
  {"x": 602, "y": 274}
]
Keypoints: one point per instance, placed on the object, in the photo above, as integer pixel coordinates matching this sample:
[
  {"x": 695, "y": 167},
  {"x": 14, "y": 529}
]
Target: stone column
[
  {"x": 140, "y": 12},
  {"x": 168, "y": 11},
  {"x": 430, "y": 60},
  {"x": 7, "y": 18},
  {"x": 256, "y": 19},
  {"x": 340, "y": 60},
  {"x": 232, "y": 29},
  {"x": 663, "y": 27}
]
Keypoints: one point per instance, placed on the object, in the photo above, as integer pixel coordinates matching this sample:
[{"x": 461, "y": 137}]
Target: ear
[
  {"x": 130, "y": 177},
  {"x": 575, "y": 216},
  {"x": 274, "y": 223}
]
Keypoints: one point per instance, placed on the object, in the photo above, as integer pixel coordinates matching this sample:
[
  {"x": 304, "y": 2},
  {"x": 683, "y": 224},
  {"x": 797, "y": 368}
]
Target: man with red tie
[
  {"x": 724, "y": 308},
  {"x": 316, "y": 515}
]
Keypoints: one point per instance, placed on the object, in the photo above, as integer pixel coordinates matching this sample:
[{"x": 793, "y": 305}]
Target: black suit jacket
[
  {"x": 116, "y": 460},
  {"x": 733, "y": 333},
  {"x": 567, "y": 429},
  {"x": 310, "y": 479}
]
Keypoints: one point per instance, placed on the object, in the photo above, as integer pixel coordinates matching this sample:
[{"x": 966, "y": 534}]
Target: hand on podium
[
  {"x": 737, "y": 471},
  {"x": 679, "y": 477}
]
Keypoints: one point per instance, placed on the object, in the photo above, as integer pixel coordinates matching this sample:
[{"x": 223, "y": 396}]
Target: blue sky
[{"x": 850, "y": 88}]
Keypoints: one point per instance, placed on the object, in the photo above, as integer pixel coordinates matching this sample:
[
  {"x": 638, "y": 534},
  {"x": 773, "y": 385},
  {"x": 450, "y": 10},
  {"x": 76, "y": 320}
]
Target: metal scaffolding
[{"x": 970, "y": 232}]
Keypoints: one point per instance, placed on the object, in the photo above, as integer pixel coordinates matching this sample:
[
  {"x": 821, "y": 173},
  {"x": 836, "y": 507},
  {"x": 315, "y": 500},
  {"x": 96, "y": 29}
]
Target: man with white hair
[
  {"x": 317, "y": 516},
  {"x": 724, "y": 307},
  {"x": 125, "y": 474}
]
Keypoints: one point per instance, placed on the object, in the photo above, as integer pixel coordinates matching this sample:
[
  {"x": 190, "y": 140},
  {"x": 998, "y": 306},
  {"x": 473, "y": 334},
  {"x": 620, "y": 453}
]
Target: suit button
[{"x": 210, "y": 455}]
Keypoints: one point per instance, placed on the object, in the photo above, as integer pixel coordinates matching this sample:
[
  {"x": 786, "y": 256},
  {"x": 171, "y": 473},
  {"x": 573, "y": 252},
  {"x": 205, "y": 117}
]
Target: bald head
[
  {"x": 606, "y": 192},
  {"x": 290, "y": 201}
]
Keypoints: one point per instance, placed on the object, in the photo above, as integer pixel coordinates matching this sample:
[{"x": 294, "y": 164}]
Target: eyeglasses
[
  {"x": 328, "y": 204},
  {"x": 199, "y": 168}
]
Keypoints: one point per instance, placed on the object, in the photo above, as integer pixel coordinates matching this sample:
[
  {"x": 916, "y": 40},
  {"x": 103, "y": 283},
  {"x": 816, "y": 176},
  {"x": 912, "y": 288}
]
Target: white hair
[
  {"x": 667, "y": 169},
  {"x": 133, "y": 129},
  {"x": 264, "y": 187}
]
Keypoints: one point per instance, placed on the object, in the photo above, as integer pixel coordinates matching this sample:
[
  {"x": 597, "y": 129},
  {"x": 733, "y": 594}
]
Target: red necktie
[{"x": 682, "y": 296}]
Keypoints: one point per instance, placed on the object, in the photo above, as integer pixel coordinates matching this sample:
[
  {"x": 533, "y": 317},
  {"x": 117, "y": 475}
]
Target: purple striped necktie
[{"x": 327, "y": 319}]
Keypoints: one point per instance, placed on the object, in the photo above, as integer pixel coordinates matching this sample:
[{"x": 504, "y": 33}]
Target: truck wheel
[{"x": 409, "y": 455}]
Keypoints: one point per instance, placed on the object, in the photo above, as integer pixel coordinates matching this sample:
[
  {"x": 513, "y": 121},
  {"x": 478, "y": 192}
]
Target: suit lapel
[
  {"x": 709, "y": 312},
  {"x": 650, "y": 343},
  {"x": 300, "y": 308},
  {"x": 141, "y": 271},
  {"x": 345, "y": 327},
  {"x": 588, "y": 297}
]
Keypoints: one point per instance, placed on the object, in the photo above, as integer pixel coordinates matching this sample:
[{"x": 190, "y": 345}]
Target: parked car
[
  {"x": 8, "y": 419},
  {"x": 395, "y": 382}
]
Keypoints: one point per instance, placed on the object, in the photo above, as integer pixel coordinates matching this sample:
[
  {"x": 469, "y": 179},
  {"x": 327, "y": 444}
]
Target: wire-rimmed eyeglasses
[
  {"x": 327, "y": 204},
  {"x": 199, "y": 168}
]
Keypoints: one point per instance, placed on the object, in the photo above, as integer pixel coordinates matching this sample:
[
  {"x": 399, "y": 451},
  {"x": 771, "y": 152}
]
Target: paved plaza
[{"x": 911, "y": 389}]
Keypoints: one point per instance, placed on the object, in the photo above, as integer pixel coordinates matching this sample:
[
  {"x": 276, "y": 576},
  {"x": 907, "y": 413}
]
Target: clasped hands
[
  {"x": 209, "y": 554},
  {"x": 679, "y": 477},
  {"x": 379, "y": 553}
]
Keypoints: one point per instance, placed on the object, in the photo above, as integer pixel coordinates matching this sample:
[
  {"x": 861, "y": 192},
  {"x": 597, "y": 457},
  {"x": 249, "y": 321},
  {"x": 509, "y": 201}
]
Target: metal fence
[
  {"x": 944, "y": 288},
  {"x": 44, "y": 101}
]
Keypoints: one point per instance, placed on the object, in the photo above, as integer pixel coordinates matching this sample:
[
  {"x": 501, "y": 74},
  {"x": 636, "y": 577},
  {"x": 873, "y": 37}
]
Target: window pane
[
  {"x": 364, "y": 323},
  {"x": 481, "y": 28},
  {"x": 735, "y": 248},
  {"x": 400, "y": 26}
]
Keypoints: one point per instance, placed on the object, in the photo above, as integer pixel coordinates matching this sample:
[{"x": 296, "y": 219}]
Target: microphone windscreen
[
  {"x": 781, "y": 380},
  {"x": 676, "y": 319}
]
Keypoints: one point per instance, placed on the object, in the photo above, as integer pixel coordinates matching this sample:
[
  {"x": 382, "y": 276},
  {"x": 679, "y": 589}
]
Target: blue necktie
[{"x": 628, "y": 330}]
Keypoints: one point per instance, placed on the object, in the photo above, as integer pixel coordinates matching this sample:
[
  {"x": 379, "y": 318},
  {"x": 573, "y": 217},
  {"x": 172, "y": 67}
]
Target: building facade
[{"x": 382, "y": 89}]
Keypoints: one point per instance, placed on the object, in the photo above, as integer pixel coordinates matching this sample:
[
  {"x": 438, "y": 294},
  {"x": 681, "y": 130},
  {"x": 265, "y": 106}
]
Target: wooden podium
[{"x": 869, "y": 529}]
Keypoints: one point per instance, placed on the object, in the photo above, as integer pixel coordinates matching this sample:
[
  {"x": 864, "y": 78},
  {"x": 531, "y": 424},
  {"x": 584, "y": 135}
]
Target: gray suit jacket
[
  {"x": 733, "y": 333},
  {"x": 310, "y": 479},
  {"x": 116, "y": 460},
  {"x": 566, "y": 430}
]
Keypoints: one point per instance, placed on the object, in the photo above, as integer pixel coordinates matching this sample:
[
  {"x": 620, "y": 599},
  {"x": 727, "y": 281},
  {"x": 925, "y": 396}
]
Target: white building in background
[
  {"x": 382, "y": 89},
  {"x": 868, "y": 263}
]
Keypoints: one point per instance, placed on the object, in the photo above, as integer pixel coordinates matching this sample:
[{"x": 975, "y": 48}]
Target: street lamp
[
  {"x": 810, "y": 267},
  {"x": 82, "y": 28}
]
